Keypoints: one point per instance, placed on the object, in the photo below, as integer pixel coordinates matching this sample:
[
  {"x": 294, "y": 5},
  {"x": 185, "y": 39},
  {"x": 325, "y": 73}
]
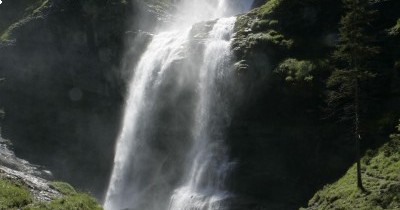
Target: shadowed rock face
[
  {"x": 64, "y": 92},
  {"x": 64, "y": 87},
  {"x": 9, "y": 160},
  {"x": 21, "y": 171}
]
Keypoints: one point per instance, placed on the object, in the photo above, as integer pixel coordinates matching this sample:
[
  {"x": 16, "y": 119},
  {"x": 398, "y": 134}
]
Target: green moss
[
  {"x": 43, "y": 4},
  {"x": 78, "y": 201},
  {"x": 395, "y": 30},
  {"x": 269, "y": 7},
  {"x": 296, "y": 70},
  {"x": 63, "y": 187},
  {"x": 259, "y": 31},
  {"x": 259, "y": 18},
  {"x": 13, "y": 195},
  {"x": 71, "y": 200},
  {"x": 5, "y": 36},
  {"x": 34, "y": 11},
  {"x": 270, "y": 37},
  {"x": 381, "y": 176}
]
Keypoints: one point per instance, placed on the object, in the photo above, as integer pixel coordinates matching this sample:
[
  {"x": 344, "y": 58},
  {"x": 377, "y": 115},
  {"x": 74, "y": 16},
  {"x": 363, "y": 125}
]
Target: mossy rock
[
  {"x": 294, "y": 70},
  {"x": 34, "y": 11},
  {"x": 259, "y": 32},
  {"x": 395, "y": 30}
]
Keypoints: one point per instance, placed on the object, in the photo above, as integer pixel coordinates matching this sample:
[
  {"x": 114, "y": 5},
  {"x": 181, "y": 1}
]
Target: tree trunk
[{"x": 358, "y": 136}]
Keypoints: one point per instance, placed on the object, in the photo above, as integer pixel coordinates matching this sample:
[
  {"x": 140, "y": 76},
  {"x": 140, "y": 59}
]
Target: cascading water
[
  {"x": 170, "y": 154},
  {"x": 209, "y": 166}
]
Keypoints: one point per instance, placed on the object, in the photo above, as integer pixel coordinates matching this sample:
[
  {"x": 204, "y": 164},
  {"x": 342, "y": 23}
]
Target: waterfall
[
  {"x": 209, "y": 166},
  {"x": 170, "y": 154}
]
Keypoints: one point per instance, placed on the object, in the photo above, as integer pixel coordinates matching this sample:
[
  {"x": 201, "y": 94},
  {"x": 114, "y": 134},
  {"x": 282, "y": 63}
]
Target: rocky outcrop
[
  {"x": 27, "y": 186},
  {"x": 9, "y": 160},
  {"x": 21, "y": 171},
  {"x": 40, "y": 188}
]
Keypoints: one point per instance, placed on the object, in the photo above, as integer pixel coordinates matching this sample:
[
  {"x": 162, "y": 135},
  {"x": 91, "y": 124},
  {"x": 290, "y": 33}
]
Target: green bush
[
  {"x": 13, "y": 196},
  {"x": 296, "y": 70}
]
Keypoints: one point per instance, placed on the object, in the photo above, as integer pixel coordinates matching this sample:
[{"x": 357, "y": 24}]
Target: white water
[{"x": 170, "y": 154}]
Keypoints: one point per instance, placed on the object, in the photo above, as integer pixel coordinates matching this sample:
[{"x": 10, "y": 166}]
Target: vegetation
[
  {"x": 33, "y": 11},
  {"x": 281, "y": 43},
  {"x": 395, "y": 30},
  {"x": 337, "y": 68},
  {"x": 77, "y": 201},
  {"x": 15, "y": 195},
  {"x": 259, "y": 29},
  {"x": 296, "y": 70},
  {"x": 353, "y": 53},
  {"x": 382, "y": 179},
  {"x": 63, "y": 187}
]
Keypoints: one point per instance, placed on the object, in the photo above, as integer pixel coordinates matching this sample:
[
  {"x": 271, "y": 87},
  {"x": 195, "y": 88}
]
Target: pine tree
[{"x": 351, "y": 57}]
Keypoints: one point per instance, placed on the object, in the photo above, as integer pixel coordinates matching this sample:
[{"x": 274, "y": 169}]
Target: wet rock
[
  {"x": 39, "y": 187},
  {"x": 21, "y": 171},
  {"x": 9, "y": 161}
]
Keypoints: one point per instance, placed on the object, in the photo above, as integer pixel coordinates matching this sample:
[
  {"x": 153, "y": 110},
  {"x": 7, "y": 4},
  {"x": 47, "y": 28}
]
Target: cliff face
[
  {"x": 65, "y": 87},
  {"x": 23, "y": 186},
  {"x": 282, "y": 136}
]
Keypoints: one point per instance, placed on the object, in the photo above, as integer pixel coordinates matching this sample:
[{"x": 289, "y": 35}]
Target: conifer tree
[{"x": 351, "y": 58}]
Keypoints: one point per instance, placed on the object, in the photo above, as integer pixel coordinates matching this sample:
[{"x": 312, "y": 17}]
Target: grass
[
  {"x": 381, "y": 178},
  {"x": 77, "y": 201},
  {"x": 63, "y": 187},
  {"x": 14, "y": 195}
]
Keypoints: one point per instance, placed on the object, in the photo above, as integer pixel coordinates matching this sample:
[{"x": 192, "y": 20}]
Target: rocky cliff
[
  {"x": 26, "y": 186},
  {"x": 65, "y": 88}
]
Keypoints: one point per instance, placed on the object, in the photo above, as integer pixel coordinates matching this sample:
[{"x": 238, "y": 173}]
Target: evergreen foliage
[{"x": 352, "y": 56}]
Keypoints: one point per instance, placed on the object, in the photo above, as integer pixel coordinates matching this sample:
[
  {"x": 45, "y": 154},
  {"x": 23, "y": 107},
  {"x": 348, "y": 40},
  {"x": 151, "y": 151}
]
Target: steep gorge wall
[
  {"x": 285, "y": 143},
  {"x": 65, "y": 83},
  {"x": 65, "y": 88}
]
